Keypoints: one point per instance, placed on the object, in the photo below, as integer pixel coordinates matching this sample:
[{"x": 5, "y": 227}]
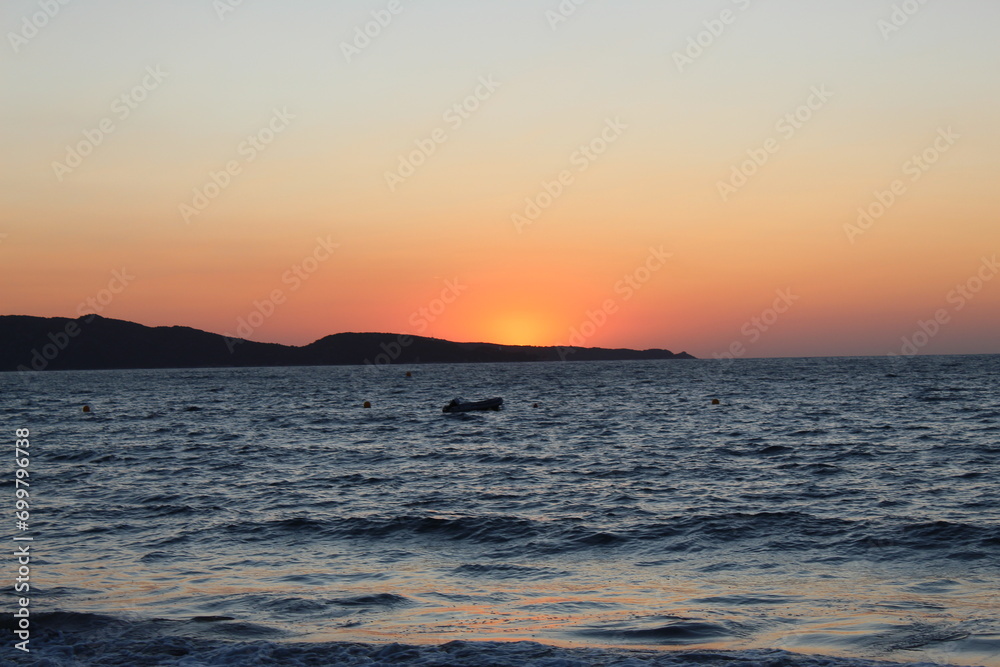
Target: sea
[{"x": 835, "y": 512}]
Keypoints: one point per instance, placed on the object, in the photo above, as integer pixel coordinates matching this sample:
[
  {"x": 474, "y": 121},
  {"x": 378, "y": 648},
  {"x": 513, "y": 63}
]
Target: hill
[{"x": 94, "y": 342}]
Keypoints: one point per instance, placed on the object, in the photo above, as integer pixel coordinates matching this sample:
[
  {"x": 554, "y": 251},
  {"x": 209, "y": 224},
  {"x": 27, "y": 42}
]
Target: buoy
[
  {"x": 715, "y": 401},
  {"x": 535, "y": 405},
  {"x": 368, "y": 404},
  {"x": 409, "y": 374},
  {"x": 86, "y": 408}
]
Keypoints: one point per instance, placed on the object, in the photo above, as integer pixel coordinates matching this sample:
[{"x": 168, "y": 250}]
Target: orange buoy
[
  {"x": 368, "y": 404},
  {"x": 409, "y": 374},
  {"x": 716, "y": 401},
  {"x": 86, "y": 408}
]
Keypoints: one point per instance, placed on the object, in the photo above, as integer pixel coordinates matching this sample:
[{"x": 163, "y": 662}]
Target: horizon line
[{"x": 890, "y": 355}]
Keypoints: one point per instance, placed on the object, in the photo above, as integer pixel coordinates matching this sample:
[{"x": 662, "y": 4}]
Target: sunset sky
[{"x": 214, "y": 153}]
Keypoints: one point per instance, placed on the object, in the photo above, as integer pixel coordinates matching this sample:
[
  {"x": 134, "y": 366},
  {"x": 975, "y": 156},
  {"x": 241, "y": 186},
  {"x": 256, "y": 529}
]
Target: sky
[{"x": 727, "y": 177}]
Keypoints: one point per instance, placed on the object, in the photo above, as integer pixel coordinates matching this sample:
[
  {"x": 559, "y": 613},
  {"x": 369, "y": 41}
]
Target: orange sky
[{"x": 610, "y": 122}]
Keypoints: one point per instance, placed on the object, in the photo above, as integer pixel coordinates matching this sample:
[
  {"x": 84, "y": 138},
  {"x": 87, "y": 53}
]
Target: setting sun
[{"x": 521, "y": 329}]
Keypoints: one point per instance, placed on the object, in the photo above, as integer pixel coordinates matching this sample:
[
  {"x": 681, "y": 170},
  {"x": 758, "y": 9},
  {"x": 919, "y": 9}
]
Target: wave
[
  {"x": 677, "y": 631},
  {"x": 376, "y": 600},
  {"x": 506, "y": 571},
  {"x": 70, "y": 639},
  {"x": 955, "y": 541},
  {"x": 484, "y": 529},
  {"x": 790, "y": 531},
  {"x": 941, "y": 534}
]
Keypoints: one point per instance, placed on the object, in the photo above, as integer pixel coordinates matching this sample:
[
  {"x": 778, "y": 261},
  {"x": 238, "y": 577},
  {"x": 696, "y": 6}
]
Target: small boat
[{"x": 462, "y": 405}]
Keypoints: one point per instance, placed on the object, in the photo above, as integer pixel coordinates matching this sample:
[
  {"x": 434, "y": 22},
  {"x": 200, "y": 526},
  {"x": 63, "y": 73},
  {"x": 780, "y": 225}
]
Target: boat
[{"x": 462, "y": 405}]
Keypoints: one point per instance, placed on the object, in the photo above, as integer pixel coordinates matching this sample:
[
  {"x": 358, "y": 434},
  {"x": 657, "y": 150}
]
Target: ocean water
[{"x": 609, "y": 515}]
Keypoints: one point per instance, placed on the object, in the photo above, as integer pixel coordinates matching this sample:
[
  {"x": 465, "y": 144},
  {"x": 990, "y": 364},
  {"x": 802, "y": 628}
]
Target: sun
[{"x": 521, "y": 329}]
